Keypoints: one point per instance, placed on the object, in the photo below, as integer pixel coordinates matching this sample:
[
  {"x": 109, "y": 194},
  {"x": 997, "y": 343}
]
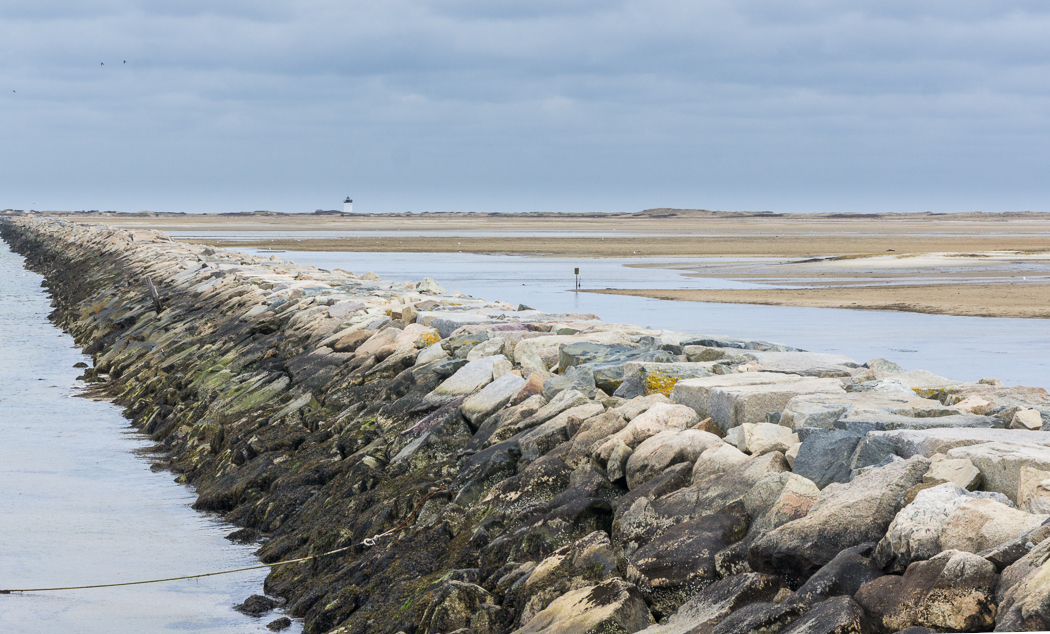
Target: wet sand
[
  {"x": 959, "y": 264},
  {"x": 1024, "y": 300}
]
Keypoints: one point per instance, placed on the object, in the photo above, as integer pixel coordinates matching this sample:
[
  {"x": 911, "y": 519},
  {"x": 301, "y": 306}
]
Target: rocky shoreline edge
[{"x": 554, "y": 473}]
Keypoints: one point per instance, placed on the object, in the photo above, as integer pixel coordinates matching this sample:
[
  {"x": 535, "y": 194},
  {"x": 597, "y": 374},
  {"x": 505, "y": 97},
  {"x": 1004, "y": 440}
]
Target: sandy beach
[{"x": 978, "y": 264}]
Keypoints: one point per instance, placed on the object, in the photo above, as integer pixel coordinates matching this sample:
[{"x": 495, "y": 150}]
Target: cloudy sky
[{"x": 518, "y": 105}]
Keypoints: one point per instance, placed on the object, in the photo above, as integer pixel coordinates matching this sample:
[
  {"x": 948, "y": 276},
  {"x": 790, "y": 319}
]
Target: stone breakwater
[{"x": 590, "y": 477}]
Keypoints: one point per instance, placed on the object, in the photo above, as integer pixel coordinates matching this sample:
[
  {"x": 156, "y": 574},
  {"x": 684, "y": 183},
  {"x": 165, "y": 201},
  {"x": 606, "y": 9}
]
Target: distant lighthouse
[{"x": 348, "y": 206}]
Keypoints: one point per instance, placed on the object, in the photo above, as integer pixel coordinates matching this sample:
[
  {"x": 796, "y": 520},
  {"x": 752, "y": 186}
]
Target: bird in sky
[
  {"x": 102, "y": 63},
  {"x": 125, "y": 61}
]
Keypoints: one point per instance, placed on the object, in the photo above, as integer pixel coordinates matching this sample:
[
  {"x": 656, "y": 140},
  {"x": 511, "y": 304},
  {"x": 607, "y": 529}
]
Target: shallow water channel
[
  {"x": 80, "y": 505},
  {"x": 1015, "y": 351}
]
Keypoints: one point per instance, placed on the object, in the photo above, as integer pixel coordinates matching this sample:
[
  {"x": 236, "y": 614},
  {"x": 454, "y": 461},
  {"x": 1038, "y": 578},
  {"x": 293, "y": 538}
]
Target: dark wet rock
[
  {"x": 759, "y": 617},
  {"x": 1023, "y": 593},
  {"x": 840, "y": 615},
  {"x": 585, "y": 562},
  {"x": 256, "y": 605},
  {"x": 279, "y": 625},
  {"x": 845, "y": 515},
  {"x": 681, "y": 560},
  {"x": 842, "y": 576},
  {"x": 456, "y": 604},
  {"x": 611, "y": 606},
  {"x": 825, "y": 456},
  {"x": 711, "y": 605},
  {"x": 953, "y": 591}
]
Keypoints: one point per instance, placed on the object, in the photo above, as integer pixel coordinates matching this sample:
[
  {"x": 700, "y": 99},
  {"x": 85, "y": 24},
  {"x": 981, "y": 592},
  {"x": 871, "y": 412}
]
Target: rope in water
[{"x": 369, "y": 542}]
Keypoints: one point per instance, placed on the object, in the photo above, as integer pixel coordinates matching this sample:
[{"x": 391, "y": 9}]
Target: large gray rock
[
  {"x": 592, "y": 432},
  {"x": 823, "y": 411},
  {"x": 1024, "y": 593},
  {"x": 696, "y": 393},
  {"x": 1000, "y": 463},
  {"x": 814, "y": 364},
  {"x": 979, "y": 524},
  {"x": 666, "y": 448},
  {"x": 491, "y": 398},
  {"x": 644, "y": 378},
  {"x": 845, "y": 515},
  {"x": 656, "y": 419},
  {"x": 779, "y": 498},
  {"x": 732, "y": 406},
  {"x": 915, "y": 533},
  {"x": 954, "y": 591},
  {"x": 611, "y": 606},
  {"x": 539, "y": 440},
  {"x": 826, "y": 457},
  {"x": 578, "y": 378},
  {"x": 713, "y": 604},
  {"x": 1033, "y": 490},
  {"x": 470, "y": 377},
  {"x": 928, "y": 442}
]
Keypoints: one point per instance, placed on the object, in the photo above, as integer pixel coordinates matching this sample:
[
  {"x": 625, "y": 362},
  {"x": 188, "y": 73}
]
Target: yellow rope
[
  {"x": 205, "y": 574},
  {"x": 371, "y": 541}
]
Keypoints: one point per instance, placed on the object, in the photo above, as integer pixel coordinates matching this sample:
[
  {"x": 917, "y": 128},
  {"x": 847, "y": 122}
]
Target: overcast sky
[{"x": 517, "y": 105}]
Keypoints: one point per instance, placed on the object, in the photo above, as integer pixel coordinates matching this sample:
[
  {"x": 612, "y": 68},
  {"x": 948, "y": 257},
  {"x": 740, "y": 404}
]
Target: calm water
[
  {"x": 78, "y": 506},
  {"x": 1015, "y": 351}
]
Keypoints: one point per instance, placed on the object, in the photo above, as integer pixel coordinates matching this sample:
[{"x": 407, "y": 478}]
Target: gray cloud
[{"x": 510, "y": 106}]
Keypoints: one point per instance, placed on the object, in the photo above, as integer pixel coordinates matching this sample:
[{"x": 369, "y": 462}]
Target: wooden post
[
  {"x": 577, "y": 272},
  {"x": 154, "y": 295}
]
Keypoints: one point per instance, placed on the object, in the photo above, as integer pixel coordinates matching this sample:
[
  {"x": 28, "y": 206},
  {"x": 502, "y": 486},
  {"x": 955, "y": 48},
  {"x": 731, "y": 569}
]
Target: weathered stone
[
  {"x": 1024, "y": 592},
  {"x": 429, "y": 286},
  {"x": 1001, "y": 463},
  {"x": 431, "y": 353},
  {"x": 611, "y": 606},
  {"x": 845, "y": 515},
  {"x": 703, "y": 612},
  {"x": 732, "y": 406},
  {"x": 823, "y": 410},
  {"x": 666, "y": 448},
  {"x": 592, "y": 431},
  {"x": 539, "y": 440},
  {"x": 579, "y": 378},
  {"x": 457, "y": 604},
  {"x": 1033, "y": 490},
  {"x": 759, "y": 617},
  {"x": 473, "y": 375},
  {"x": 842, "y": 576},
  {"x": 839, "y": 615},
  {"x": 616, "y": 466},
  {"x": 640, "y": 404},
  {"x": 777, "y": 499},
  {"x": 681, "y": 560},
  {"x": 492, "y": 397},
  {"x": 953, "y": 591},
  {"x": 351, "y": 341},
  {"x": 716, "y": 460},
  {"x": 340, "y": 310},
  {"x": 979, "y": 524},
  {"x": 915, "y": 533},
  {"x": 929, "y": 442},
  {"x": 487, "y": 348},
  {"x": 765, "y": 437},
  {"x": 825, "y": 456},
  {"x": 812, "y": 364},
  {"x": 960, "y": 472},
  {"x": 256, "y": 605},
  {"x": 586, "y": 561},
  {"x": 696, "y": 393},
  {"x": 656, "y": 419}
]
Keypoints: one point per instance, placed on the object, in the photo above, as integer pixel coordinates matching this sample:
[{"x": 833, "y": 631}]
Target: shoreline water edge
[{"x": 492, "y": 468}]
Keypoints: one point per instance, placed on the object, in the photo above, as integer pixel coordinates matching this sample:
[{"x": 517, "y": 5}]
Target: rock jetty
[{"x": 551, "y": 473}]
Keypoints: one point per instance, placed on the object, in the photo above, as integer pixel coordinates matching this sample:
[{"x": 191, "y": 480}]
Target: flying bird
[
  {"x": 125, "y": 61},
  {"x": 102, "y": 63}
]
